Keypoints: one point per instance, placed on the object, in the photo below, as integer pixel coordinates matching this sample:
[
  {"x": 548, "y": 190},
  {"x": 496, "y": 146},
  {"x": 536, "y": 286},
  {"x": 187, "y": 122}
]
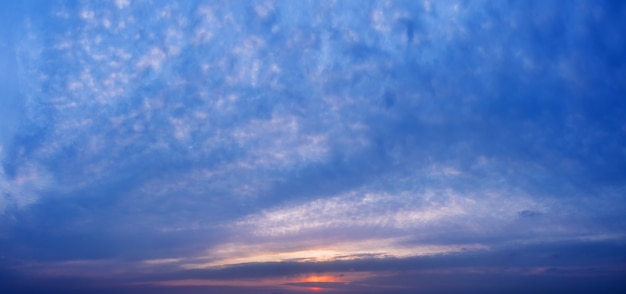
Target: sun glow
[
  {"x": 233, "y": 253},
  {"x": 321, "y": 279}
]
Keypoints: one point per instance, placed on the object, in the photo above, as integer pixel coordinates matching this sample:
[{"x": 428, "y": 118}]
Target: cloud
[
  {"x": 122, "y": 3},
  {"x": 528, "y": 213},
  {"x": 267, "y": 135},
  {"x": 153, "y": 59}
]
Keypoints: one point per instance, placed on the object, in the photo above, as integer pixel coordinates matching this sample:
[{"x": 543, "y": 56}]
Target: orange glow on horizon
[
  {"x": 321, "y": 279},
  {"x": 315, "y": 289}
]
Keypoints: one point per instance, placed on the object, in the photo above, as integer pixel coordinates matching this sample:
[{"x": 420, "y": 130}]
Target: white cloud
[
  {"x": 154, "y": 59},
  {"x": 25, "y": 187},
  {"x": 122, "y": 3},
  {"x": 263, "y": 10},
  {"x": 202, "y": 35},
  {"x": 396, "y": 213},
  {"x": 311, "y": 251},
  {"x": 87, "y": 14}
]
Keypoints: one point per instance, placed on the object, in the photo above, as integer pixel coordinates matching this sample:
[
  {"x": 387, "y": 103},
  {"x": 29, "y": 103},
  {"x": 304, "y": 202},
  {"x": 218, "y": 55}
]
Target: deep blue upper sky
[{"x": 316, "y": 146}]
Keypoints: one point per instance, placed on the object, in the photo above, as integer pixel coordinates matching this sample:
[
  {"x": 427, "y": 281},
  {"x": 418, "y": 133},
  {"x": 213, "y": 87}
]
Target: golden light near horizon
[
  {"x": 303, "y": 283},
  {"x": 322, "y": 279},
  {"x": 232, "y": 253}
]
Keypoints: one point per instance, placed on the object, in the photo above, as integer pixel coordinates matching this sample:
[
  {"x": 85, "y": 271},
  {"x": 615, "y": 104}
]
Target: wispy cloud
[{"x": 208, "y": 140}]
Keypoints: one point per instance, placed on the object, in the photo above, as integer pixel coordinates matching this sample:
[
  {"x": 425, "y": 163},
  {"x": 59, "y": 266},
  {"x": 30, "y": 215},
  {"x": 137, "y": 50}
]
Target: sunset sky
[{"x": 284, "y": 147}]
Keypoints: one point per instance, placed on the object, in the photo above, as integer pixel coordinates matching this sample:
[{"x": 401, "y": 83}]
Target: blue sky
[{"x": 313, "y": 146}]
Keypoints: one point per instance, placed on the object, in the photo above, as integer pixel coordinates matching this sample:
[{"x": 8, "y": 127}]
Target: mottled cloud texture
[{"x": 306, "y": 146}]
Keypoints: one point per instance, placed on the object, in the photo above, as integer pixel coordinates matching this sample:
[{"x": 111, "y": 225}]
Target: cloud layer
[{"x": 158, "y": 142}]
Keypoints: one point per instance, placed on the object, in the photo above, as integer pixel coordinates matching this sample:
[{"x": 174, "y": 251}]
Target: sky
[{"x": 312, "y": 146}]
